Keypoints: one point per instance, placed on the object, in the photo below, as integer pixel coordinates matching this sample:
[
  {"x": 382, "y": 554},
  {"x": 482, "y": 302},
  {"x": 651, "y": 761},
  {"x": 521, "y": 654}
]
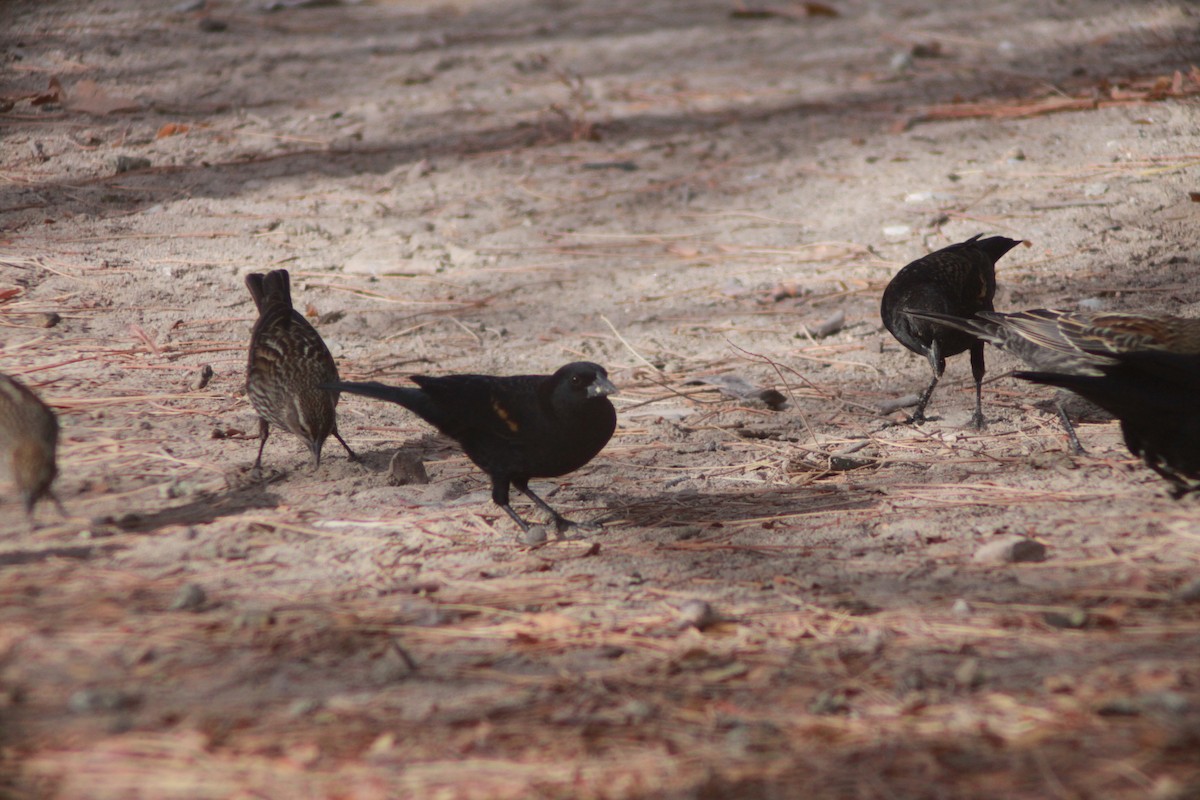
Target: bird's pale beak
[{"x": 601, "y": 387}]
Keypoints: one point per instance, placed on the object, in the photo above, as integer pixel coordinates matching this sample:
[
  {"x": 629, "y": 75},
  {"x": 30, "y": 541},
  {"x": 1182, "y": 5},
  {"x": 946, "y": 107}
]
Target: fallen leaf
[
  {"x": 53, "y": 94},
  {"x": 821, "y": 10},
  {"x": 172, "y": 129}
]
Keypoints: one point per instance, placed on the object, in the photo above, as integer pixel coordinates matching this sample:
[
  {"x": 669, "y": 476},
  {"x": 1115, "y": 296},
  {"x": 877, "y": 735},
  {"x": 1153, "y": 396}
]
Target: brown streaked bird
[
  {"x": 1154, "y": 392},
  {"x": 1075, "y": 342},
  {"x": 959, "y": 280},
  {"x": 28, "y": 439},
  {"x": 287, "y": 367},
  {"x": 514, "y": 427}
]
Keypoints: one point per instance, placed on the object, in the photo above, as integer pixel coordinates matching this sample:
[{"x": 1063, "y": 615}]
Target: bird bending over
[
  {"x": 959, "y": 280},
  {"x": 287, "y": 368},
  {"x": 1075, "y": 342},
  {"x": 29, "y": 439},
  {"x": 514, "y": 428},
  {"x": 1153, "y": 392}
]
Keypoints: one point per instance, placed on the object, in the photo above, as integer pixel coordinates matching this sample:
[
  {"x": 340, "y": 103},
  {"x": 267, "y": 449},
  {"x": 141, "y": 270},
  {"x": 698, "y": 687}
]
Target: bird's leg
[
  {"x": 349, "y": 453},
  {"x": 1072, "y": 437},
  {"x": 58, "y": 504},
  {"x": 561, "y": 523},
  {"x": 977, "y": 370},
  {"x": 264, "y": 430},
  {"x": 500, "y": 498},
  {"x": 938, "y": 365},
  {"x": 522, "y": 524}
]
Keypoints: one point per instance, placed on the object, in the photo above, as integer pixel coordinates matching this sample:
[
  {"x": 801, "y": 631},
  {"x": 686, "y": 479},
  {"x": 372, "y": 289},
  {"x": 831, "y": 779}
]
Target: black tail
[
  {"x": 414, "y": 400},
  {"x": 270, "y": 288},
  {"x": 994, "y": 246}
]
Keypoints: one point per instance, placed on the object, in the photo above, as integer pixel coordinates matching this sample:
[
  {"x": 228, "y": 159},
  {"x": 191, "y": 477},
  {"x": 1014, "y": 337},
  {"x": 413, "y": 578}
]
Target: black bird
[
  {"x": 28, "y": 439},
  {"x": 1075, "y": 342},
  {"x": 288, "y": 366},
  {"x": 1154, "y": 393},
  {"x": 514, "y": 428},
  {"x": 959, "y": 280}
]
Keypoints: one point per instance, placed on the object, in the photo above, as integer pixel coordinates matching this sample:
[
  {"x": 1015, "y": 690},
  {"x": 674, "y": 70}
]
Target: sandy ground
[{"x": 682, "y": 191}]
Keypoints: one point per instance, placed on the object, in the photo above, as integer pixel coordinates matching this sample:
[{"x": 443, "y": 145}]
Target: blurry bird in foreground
[
  {"x": 1143, "y": 369},
  {"x": 514, "y": 428},
  {"x": 1075, "y": 342},
  {"x": 287, "y": 367},
  {"x": 958, "y": 280},
  {"x": 28, "y": 440}
]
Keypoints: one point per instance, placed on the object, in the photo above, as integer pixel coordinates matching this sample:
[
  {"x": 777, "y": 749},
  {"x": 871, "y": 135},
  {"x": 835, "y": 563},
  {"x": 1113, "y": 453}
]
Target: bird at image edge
[
  {"x": 29, "y": 439},
  {"x": 514, "y": 428}
]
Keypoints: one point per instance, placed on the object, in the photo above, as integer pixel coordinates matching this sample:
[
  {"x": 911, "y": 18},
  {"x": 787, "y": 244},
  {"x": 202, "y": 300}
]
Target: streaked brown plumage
[
  {"x": 1154, "y": 392},
  {"x": 28, "y": 440},
  {"x": 959, "y": 280},
  {"x": 288, "y": 364},
  {"x": 1075, "y": 342},
  {"x": 1144, "y": 369}
]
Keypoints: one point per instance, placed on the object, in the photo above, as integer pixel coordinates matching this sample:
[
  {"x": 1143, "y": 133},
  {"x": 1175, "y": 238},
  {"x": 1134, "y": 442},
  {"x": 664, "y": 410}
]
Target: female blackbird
[
  {"x": 1075, "y": 342},
  {"x": 28, "y": 438},
  {"x": 1143, "y": 369},
  {"x": 517, "y": 427},
  {"x": 959, "y": 280},
  {"x": 1153, "y": 392},
  {"x": 288, "y": 365}
]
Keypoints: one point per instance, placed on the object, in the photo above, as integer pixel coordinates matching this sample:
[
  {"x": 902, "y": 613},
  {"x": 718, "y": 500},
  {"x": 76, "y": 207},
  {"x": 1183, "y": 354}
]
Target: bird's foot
[
  {"x": 978, "y": 422},
  {"x": 569, "y": 530}
]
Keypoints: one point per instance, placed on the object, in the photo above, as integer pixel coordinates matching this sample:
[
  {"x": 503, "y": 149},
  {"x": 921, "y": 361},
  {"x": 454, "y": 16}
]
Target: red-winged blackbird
[
  {"x": 29, "y": 438},
  {"x": 517, "y": 427},
  {"x": 1153, "y": 392},
  {"x": 288, "y": 365},
  {"x": 1075, "y": 342},
  {"x": 958, "y": 280}
]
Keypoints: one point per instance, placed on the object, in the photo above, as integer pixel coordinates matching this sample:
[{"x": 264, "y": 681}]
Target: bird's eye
[{"x": 577, "y": 380}]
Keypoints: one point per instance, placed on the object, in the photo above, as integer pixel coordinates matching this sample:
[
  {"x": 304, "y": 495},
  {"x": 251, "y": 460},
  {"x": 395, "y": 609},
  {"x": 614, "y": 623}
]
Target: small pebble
[
  {"x": 91, "y": 700},
  {"x": 535, "y": 536},
  {"x": 901, "y": 62},
  {"x": 696, "y": 614},
  {"x": 828, "y": 326},
  {"x": 406, "y": 469},
  {"x": 202, "y": 377},
  {"x": 961, "y": 608},
  {"x": 968, "y": 674},
  {"x": 48, "y": 320},
  {"x": 130, "y": 163},
  {"x": 190, "y": 597},
  {"x": 1189, "y": 592},
  {"x": 1010, "y": 550}
]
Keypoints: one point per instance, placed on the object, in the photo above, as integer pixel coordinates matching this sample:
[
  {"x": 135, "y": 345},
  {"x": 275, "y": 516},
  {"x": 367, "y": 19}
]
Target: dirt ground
[{"x": 683, "y": 192}]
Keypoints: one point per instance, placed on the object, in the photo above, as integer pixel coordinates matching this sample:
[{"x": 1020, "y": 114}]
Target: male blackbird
[
  {"x": 288, "y": 365},
  {"x": 1153, "y": 392},
  {"x": 960, "y": 280},
  {"x": 514, "y": 428},
  {"x": 1074, "y": 342},
  {"x": 28, "y": 438}
]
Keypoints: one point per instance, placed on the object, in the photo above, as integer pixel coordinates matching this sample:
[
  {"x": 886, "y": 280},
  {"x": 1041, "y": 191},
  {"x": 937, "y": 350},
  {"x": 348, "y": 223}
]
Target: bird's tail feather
[{"x": 414, "y": 400}]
